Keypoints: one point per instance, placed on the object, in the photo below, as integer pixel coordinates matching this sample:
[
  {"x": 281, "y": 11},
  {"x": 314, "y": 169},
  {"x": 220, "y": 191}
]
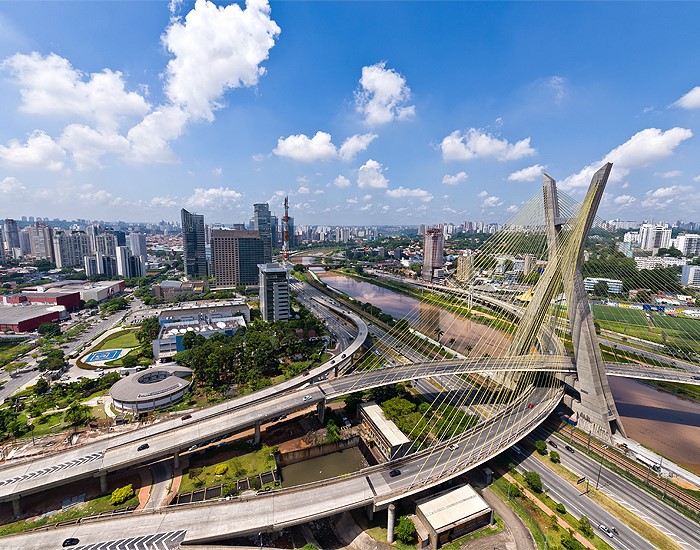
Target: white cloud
[
  {"x": 320, "y": 147},
  {"x": 531, "y": 173},
  {"x": 342, "y": 181},
  {"x": 40, "y": 151},
  {"x": 624, "y": 200},
  {"x": 10, "y": 186},
  {"x": 216, "y": 49},
  {"x": 558, "y": 86},
  {"x": 150, "y": 138},
  {"x": 643, "y": 148},
  {"x": 370, "y": 175},
  {"x": 351, "y": 201},
  {"x": 217, "y": 171},
  {"x": 696, "y": 178},
  {"x": 300, "y": 147},
  {"x": 162, "y": 202},
  {"x": 258, "y": 157},
  {"x": 664, "y": 196},
  {"x": 213, "y": 198},
  {"x": 691, "y": 100},
  {"x": 475, "y": 143},
  {"x": 668, "y": 175},
  {"x": 512, "y": 209},
  {"x": 87, "y": 145},
  {"x": 402, "y": 192},
  {"x": 355, "y": 144},
  {"x": 51, "y": 86},
  {"x": 303, "y": 190},
  {"x": 383, "y": 95},
  {"x": 367, "y": 197},
  {"x": 489, "y": 201},
  {"x": 365, "y": 207},
  {"x": 459, "y": 177}
]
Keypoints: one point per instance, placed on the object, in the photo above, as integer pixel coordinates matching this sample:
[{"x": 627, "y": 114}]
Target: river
[
  {"x": 656, "y": 419},
  {"x": 470, "y": 338},
  {"x": 323, "y": 467}
]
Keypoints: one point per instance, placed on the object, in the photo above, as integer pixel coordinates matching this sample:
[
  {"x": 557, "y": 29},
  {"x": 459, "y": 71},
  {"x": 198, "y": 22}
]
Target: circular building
[{"x": 151, "y": 389}]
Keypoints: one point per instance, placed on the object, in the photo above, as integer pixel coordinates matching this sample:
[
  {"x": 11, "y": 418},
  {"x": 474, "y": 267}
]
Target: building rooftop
[
  {"x": 10, "y": 315},
  {"x": 219, "y": 325},
  {"x": 203, "y": 306},
  {"x": 392, "y": 433},
  {"x": 150, "y": 384},
  {"x": 452, "y": 508}
]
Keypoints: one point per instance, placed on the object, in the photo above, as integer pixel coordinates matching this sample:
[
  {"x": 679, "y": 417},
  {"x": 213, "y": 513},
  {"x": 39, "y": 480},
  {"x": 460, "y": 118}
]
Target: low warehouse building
[
  {"x": 27, "y": 318},
  {"x": 151, "y": 389},
  {"x": 453, "y": 514}
]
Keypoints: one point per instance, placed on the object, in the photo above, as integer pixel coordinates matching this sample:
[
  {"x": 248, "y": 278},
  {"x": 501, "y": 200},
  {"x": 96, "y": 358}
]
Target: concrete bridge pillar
[
  {"x": 321, "y": 409},
  {"x": 257, "y": 432},
  {"x": 391, "y": 518},
  {"x": 103, "y": 483},
  {"x": 370, "y": 512},
  {"x": 16, "y": 509},
  {"x": 176, "y": 460}
]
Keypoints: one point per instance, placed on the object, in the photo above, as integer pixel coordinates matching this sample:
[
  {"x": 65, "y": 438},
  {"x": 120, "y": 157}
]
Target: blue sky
[{"x": 362, "y": 112}]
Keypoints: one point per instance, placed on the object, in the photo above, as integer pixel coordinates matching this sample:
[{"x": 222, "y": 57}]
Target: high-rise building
[
  {"x": 137, "y": 243},
  {"x": 263, "y": 223},
  {"x": 528, "y": 264},
  {"x": 235, "y": 256},
  {"x": 106, "y": 243},
  {"x": 690, "y": 275},
  {"x": 465, "y": 268},
  {"x": 274, "y": 292},
  {"x": 129, "y": 265},
  {"x": 193, "y": 240},
  {"x": 11, "y": 235},
  {"x": 41, "y": 241},
  {"x": 70, "y": 248},
  {"x": 99, "y": 264},
  {"x": 688, "y": 244},
  {"x": 433, "y": 252},
  {"x": 275, "y": 229},
  {"x": 654, "y": 236}
]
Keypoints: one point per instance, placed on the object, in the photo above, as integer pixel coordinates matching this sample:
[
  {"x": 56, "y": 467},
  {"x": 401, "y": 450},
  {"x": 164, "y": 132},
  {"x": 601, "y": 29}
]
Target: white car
[
  {"x": 604, "y": 528},
  {"x": 453, "y": 447},
  {"x": 306, "y": 398}
]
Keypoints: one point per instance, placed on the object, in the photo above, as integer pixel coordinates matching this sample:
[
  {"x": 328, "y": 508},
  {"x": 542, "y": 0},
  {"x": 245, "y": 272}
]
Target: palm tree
[{"x": 438, "y": 333}]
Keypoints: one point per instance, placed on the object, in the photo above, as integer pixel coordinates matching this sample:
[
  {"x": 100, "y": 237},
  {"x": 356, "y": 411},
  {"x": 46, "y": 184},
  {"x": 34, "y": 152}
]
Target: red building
[
  {"x": 71, "y": 301},
  {"x": 25, "y": 318}
]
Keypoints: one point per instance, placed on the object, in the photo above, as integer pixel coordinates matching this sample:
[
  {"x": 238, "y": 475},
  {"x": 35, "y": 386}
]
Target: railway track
[{"x": 622, "y": 461}]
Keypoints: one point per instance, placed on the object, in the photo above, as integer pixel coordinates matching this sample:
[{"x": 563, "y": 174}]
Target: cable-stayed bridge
[{"x": 527, "y": 380}]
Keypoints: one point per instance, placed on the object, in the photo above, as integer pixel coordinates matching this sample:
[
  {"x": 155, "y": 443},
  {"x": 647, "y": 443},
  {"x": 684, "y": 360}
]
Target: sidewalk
[{"x": 542, "y": 506}]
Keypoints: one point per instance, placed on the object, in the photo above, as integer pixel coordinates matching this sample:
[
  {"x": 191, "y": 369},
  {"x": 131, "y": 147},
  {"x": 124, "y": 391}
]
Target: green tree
[
  {"x": 49, "y": 329},
  {"x": 405, "y": 530},
  {"x": 91, "y": 304},
  {"x": 560, "y": 508},
  {"x": 121, "y": 495},
  {"x": 534, "y": 481},
  {"x": 554, "y": 457},
  {"x": 130, "y": 360},
  {"x": 78, "y": 414},
  {"x": 332, "y": 432},
  {"x": 600, "y": 288},
  {"x": 584, "y": 525},
  {"x": 41, "y": 386},
  {"x": 150, "y": 327},
  {"x": 541, "y": 447}
]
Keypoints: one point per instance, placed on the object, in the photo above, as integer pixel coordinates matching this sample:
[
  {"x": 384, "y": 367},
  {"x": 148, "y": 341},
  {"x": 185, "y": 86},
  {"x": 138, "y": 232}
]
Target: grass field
[
  {"x": 118, "y": 340},
  {"x": 619, "y": 315},
  {"x": 684, "y": 324}
]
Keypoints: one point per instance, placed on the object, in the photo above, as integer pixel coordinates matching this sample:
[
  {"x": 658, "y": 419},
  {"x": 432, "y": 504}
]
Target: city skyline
[{"x": 454, "y": 119}]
